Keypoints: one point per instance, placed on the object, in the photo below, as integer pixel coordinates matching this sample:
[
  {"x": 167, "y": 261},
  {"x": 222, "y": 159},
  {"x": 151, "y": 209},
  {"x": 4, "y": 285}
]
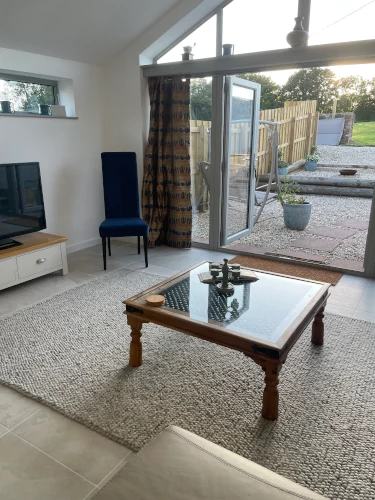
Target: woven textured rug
[
  {"x": 298, "y": 270},
  {"x": 71, "y": 352}
]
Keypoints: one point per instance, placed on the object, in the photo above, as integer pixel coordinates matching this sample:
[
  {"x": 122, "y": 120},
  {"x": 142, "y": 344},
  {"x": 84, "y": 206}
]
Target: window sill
[{"x": 35, "y": 115}]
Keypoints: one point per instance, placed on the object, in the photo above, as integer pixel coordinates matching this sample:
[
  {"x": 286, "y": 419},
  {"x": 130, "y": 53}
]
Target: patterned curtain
[{"x": 166, "y": 192}]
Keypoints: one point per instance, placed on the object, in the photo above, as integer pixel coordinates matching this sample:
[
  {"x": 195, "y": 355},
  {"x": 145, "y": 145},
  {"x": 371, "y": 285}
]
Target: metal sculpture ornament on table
[
  {"x": 224, "y": 286},
  {"x": 224, "y": 275}
]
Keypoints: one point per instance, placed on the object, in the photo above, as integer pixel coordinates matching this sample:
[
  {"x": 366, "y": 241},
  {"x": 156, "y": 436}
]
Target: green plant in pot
[
  {"x": 297, "y": 211},
  {"x": 312, "y": 159},
  {"x": 282, "y": 166}
]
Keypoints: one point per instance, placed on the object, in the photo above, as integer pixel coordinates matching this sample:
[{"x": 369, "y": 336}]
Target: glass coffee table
[{"x": 262, "y": 319}]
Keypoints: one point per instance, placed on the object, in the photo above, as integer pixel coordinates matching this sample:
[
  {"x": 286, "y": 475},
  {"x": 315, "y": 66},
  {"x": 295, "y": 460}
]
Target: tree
[
  {"x": 365, "y": 109},
  {"x": 351, "y": 88},
  {"x": 200, "y": 99},
  {"x": 28, "y": 96},
  {"x": 312, "y": 84},
  {"x": 270, "y": 91},
  {"x": 201, "y": 96}
]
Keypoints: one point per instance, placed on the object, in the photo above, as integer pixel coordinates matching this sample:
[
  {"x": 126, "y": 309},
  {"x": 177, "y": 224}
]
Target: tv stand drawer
[
  {"x": 39, "y": 261},
  {"x": 7, "y": 271}
]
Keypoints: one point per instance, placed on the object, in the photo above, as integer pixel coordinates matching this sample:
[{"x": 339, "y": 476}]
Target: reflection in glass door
[
  {"x": 241, "y": 119},
  {"x": 200, "y": 156}
]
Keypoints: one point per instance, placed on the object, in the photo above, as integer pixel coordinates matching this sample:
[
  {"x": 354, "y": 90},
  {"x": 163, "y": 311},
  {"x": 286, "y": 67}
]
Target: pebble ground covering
[{"x": 270, "y": 231}]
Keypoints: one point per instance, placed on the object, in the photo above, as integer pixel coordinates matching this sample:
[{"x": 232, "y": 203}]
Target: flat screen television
[{"x": 21, "y": 202}]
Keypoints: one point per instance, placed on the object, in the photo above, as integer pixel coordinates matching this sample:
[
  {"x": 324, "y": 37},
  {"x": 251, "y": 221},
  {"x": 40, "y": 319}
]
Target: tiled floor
[{"x": 44, "y": 455}]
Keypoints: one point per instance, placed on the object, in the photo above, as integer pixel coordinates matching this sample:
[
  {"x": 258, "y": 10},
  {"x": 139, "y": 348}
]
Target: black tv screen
[{"x": 21, "y": 200}]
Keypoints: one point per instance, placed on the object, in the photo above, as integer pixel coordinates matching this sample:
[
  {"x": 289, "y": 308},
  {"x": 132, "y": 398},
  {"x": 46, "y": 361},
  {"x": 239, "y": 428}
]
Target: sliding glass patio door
[{"x": 240, "y": 142}]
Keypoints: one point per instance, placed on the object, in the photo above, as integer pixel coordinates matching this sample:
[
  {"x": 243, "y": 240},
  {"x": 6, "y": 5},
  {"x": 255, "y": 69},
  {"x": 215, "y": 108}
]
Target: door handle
[{"x": 40, "y": 261}]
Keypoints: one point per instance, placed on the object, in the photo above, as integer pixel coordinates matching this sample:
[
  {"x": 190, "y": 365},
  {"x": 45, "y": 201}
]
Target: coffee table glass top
[{"x": 263, "y": 309}]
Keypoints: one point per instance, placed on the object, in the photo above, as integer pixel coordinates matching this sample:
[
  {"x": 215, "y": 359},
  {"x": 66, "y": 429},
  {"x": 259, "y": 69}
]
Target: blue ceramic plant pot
[
  {"x": 297, "y": 216},
  {"x": 282, "y": 171},
  {"x": 311, "y": 166}
]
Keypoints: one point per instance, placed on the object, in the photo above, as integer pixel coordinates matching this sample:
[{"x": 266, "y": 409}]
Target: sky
[{"x": 254, "y": 26}]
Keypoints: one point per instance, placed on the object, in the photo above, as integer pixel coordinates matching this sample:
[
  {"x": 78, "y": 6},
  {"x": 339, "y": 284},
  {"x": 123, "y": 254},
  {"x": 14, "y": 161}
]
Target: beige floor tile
[
  {"x": 364, "y": 315},
  {"x": 348, "y": 279},
  {"x": 93, "y": 263},
  {"x": 15, "y": 408},
  {"x": 116, "y": 469},
  {"x": 92, "y": 494},
  {"x": 367, "y": 302},
  {"x": 86, "y": 452},
  {"x": 17, "y": 297},
  {"x": 348, "y": 298},
  {"x": 3, "y": 430},
  {"x": 341, "y": 311},
  {"x": 27, "y": 473},
  {"x": 55, "y": 283},
  {"x": 151, "y": 269}
]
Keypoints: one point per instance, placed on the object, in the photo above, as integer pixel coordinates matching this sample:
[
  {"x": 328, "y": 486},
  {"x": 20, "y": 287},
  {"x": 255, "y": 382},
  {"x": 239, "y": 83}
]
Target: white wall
[
  {"x": 126, "y": 92},
  {"x": 112, "y": 105},
  {"x": 68, "y": 150}
]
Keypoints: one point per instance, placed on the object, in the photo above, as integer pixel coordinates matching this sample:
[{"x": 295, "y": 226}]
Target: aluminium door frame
[
  {"x": 217, "y": 151},
  {"x": 369, "y": 261},
  {"x": 231, "y": 81}
]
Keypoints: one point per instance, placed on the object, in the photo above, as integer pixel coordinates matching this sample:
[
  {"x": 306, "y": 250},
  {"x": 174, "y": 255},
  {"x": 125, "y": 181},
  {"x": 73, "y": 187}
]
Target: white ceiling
[{"x": 90, "y": 31}]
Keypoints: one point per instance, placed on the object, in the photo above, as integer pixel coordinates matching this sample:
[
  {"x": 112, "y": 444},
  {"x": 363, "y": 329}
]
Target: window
[
  {"x": 261, "y": 26},
  {"x": 203, "y": 41},
  {"x": 258, "y": 26},
  {"x": 341, "y": 21},
  {"x": 26, "y": 94}
]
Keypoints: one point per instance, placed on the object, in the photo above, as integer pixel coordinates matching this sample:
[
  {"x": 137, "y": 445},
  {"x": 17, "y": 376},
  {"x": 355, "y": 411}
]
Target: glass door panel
[
  {"x": 241, "y": 122},
  {"x": 200, "y": 156}
]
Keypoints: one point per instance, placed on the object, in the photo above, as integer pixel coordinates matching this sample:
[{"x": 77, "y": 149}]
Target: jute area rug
[{"x": 71, "y": 352}]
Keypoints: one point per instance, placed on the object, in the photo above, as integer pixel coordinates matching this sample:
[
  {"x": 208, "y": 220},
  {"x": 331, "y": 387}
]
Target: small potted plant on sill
[
  {"x": 297, "y": 211},
  {"x": 312, "y": 159},
  {"x": 282, "y": 166}
]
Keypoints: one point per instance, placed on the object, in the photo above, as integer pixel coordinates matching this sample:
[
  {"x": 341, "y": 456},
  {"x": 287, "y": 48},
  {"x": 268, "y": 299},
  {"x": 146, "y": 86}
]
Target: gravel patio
[
  {"x": 337, "y": 232},
  {"x": 363, "y": 173},
  {"x": 271, "y": 236},
  {"x": 347, "y": 155}
]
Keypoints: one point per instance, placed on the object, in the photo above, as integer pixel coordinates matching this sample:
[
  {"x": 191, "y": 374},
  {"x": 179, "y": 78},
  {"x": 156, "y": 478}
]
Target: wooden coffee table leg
[
  {"x": 135, "y": 357},
  {"x": 317, "y": 336},
  {"x": 270, "y": 409}
]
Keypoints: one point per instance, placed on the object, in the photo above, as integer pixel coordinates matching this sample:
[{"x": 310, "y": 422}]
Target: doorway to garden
[{"x": 337, "y": 232}]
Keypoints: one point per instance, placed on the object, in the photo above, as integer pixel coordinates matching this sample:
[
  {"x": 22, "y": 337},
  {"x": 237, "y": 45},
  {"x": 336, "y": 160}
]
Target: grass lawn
[{"x": 364, "y": 134}]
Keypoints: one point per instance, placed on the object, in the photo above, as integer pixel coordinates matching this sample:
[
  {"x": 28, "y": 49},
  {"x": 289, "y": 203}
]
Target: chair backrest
[{"x": 120, "y": 182}]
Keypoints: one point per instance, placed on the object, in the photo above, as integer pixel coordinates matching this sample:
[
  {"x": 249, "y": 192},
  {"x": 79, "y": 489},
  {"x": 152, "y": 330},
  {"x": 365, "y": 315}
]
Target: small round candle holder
[
  {"x": 236, "y": 273},
  {"x": 215, "y": 273}
]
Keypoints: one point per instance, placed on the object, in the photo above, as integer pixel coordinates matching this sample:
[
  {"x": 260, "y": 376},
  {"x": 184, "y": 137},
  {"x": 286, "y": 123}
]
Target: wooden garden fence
[{"x": 297, "y": 127}]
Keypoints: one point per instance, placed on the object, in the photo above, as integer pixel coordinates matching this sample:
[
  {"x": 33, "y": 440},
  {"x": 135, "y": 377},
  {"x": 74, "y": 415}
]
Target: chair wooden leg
[
  {"x": 104, "y": 253},
  {"x": 145, "y": 245},
  {"x": 139, "y": 245},
  {"x": 109, "y": 246}
]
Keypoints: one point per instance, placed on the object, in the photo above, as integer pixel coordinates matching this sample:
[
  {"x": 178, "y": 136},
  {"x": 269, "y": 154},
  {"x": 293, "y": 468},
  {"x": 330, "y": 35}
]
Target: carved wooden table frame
[{"x": 270, "y": 356}]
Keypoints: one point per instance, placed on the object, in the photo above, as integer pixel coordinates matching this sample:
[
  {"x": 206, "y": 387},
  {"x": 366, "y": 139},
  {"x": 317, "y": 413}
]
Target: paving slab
[
  {"x": 354, "y": 223},
  {"x": 251, "y": 249},
  {"x": 316, "y": 243},
  {"x": 295, "y": 254},
  {"x": 353, "y": 265},
  {"x": 333, "y": 232}
]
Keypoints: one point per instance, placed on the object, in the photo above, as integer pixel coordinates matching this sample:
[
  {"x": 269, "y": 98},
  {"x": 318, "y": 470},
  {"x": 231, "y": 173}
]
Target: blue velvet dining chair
[{"x": 121, "y": 202}]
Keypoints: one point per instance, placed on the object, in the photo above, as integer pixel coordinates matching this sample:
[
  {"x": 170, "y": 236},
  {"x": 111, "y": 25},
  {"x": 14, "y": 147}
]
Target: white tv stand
[{"x": 39, "y": 254}]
